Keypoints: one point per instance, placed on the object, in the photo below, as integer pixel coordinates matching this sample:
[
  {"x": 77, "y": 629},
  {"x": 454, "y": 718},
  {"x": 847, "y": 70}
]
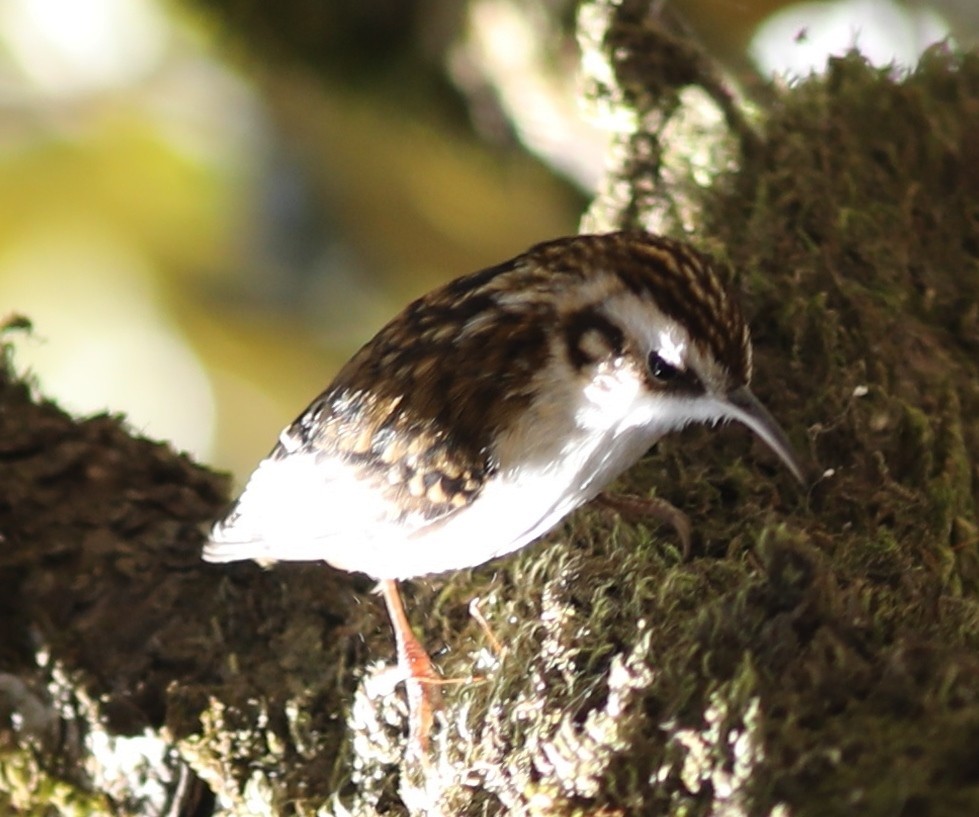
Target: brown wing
[
  {"x": 414, "y": 466},
  {"x": 408, "y": 425},
  {"x": 415, "y": 411}
]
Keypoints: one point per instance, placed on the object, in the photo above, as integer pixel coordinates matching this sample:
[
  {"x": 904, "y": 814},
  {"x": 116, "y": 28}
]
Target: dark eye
[{"x": 661, "y": 370}]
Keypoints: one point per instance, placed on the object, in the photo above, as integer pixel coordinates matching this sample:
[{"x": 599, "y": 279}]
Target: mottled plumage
[{"x": 494, "y": 405}]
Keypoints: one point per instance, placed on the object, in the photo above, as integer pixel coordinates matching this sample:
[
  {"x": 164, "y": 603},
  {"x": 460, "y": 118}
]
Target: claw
[{"x": 642, "y": 508}]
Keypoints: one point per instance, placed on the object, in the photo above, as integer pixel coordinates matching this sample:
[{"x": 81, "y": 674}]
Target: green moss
[
  {"x": 28, "y": 790},
  {"x": 816, "y": 655}
]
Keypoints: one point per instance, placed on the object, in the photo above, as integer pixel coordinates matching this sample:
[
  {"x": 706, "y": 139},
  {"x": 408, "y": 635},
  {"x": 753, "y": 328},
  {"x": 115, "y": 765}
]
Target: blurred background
[{"x": 206, "y": 206}]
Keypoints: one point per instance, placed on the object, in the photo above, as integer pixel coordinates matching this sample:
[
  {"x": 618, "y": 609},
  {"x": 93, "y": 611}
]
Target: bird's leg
[
  {"x": 642, "y": 508},
  {"x": 421, "y": 678}
]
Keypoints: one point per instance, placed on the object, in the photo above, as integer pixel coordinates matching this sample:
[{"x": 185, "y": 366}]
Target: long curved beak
[{"x": 744, "y": 407}]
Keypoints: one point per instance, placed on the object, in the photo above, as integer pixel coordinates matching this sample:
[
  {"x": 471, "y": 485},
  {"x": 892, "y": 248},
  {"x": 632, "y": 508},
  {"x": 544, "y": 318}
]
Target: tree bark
[{"x": 817, "y": 655}]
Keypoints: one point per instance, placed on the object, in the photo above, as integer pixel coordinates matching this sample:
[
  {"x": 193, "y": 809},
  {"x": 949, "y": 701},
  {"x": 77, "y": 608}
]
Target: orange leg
[{"x": 421, "y": 678}]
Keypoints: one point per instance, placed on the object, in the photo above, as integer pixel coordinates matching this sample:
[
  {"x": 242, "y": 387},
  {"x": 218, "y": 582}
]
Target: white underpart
[
  {"x": 569, "y": 444},
  {"x": 564, "y": 451},
  {"x": 300, "y": 508}
]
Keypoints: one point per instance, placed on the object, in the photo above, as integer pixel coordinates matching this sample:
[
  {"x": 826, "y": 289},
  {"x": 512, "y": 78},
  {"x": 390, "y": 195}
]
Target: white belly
[{"x": 559, "y": 455}]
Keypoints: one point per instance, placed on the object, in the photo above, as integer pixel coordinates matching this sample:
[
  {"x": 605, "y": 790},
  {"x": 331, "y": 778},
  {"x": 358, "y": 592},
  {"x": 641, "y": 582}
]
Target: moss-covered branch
[{"x": 816, "y": 656}]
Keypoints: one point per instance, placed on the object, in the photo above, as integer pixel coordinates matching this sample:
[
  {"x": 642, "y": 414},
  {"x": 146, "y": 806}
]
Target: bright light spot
[
  {"x": 799, "y": 39},
  {"x": 671, "y": 348},
  {"x": 504, "y": 39},
  {"x": 83, "y": 46},
  {"x": 102, "y": 342},
  {"x": 131, "y": 766}
]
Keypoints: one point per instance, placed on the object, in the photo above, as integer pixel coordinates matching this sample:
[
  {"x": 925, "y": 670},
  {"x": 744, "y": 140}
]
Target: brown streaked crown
[
  {"x": 680, "y": 280},
  {"x": 417, "y": 409}
]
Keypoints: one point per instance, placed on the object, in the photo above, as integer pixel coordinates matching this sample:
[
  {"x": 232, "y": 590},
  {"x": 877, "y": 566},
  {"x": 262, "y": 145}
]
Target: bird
[{"x": 490, "y": 409}]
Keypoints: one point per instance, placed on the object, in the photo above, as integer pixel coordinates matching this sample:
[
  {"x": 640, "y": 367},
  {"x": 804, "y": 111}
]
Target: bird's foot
[
  {"x": 638, "y": 508},
  {"x": 422, "y": 680},
  {"x": 423, "y": 688}
]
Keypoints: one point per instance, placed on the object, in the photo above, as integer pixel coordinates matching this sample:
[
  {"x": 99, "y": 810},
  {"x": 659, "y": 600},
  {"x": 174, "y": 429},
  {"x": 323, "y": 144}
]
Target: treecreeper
[{"x": 491, "y": 408}]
